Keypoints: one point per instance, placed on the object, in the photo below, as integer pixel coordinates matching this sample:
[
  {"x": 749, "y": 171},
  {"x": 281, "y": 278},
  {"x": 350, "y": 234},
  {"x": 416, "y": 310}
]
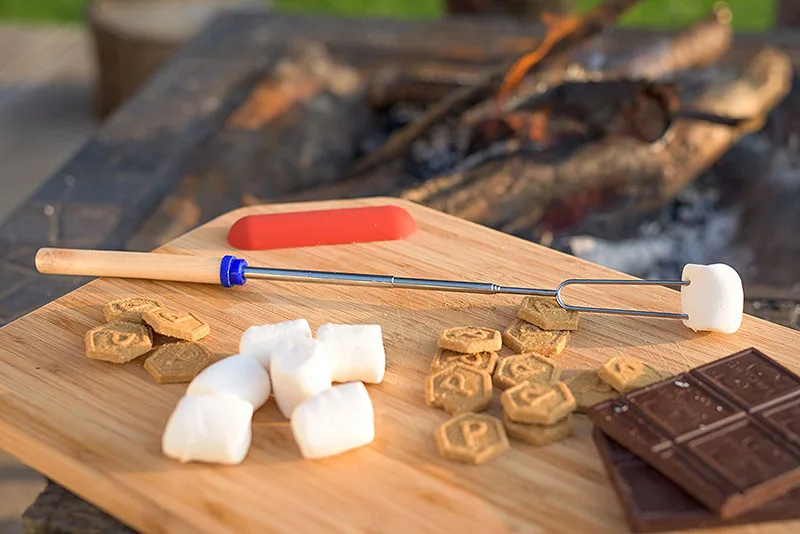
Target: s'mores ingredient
[
  {"x": 356, "y": 351},
  {"x": 485, "y": 361},
  {"x": 260, "y": 341},
  {"x": 210, "y": 428},
  {"x": 335, "y": 420},
  {"x": 471, "y": 438},
  {"x": 528, "y": 367},
  {"x": 522, "y": 336},
  {"x": 546, "y": 313},
  {"x": 589, "y": 389},
  {"x": 129, "y": 309},
  {"x": 626, "y": 374},
  {"x": 538, "y": 435},
  {"x": 459, "y": 388},
  {"x": 470, "y": 339},
  {"x": 714, "y": 298},
  {"x": 178, "y": 362},
  {"x": 239, "y": 375},
  {"x": 542, "y": 404},
  {"x": 180, "y": 325},
  {"x": 118, "y": 342},
  {"x": 300, "y": 368}
]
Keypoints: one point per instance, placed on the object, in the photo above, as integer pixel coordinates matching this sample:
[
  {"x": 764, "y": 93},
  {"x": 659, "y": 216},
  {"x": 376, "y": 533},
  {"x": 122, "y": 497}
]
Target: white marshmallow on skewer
[
  {"x": 357, "y": 351},
  {"x": 300, "y": 368},
  {"x": 211, "y": 429},
  {"x": 337, "y": 420},
  {"x": 260, "y": 341},
  {"x": 240, "y": 375},
  {"x": 714, "y": 299}
]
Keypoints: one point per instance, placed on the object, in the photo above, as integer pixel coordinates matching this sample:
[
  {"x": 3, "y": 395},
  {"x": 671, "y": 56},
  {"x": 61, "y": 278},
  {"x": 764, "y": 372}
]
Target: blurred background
[{"x": 49, "y": 66}]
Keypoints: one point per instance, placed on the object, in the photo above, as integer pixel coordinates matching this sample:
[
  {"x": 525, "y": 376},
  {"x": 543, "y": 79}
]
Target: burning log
[
  {"x": 701, "y": 45},
  {"x": 514, "y": 193},
  {"x": 420, "y": 85},
  {"x": 551, "y": 49},
  {"x": 591, "y": 110}
]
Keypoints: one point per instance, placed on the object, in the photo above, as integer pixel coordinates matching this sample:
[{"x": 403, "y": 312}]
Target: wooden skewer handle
[{"x": 118, "y": 264}]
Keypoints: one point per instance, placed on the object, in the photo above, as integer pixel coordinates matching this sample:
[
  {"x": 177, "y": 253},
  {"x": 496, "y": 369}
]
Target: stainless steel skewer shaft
[{"x": 485, "y": 288}]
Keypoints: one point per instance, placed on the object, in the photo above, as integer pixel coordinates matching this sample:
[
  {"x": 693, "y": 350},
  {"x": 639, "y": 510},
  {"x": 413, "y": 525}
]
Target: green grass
[{"x": 748, "y": 15}]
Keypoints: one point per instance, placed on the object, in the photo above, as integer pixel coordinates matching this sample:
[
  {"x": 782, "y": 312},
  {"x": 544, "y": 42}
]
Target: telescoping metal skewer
[{"x": 230, "y": 271}]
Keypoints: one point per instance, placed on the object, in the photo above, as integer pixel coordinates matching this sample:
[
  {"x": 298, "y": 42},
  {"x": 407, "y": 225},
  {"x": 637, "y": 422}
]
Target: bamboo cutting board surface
[{"x": 95, "y": 428}]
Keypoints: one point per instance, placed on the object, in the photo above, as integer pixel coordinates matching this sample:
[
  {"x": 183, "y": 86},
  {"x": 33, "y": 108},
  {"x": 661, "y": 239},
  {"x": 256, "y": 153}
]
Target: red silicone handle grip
[{"x": 321, "y": 227}]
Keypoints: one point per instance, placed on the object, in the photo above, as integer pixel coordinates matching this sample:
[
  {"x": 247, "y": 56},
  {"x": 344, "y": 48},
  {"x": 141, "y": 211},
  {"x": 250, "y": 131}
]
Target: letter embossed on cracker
[
  {"x": 470, "y": 339},
  {"x": 626, "y": 374},
  {"x": 514, "y": 370},
  {"x": 471, "y": 438},
  {"x": 522, "y": 336},
  {"x": 118, "y": 342},
  {"x": 538, "y": 435},
  {"x": 588, "y": 390},
  {"x": 542, "y": 404},
  {"x": 175, "y": 363},
  {"x": 546, "y": 313},
  {"x": 485, "y": 361},
  {"x": 459, "y": 388},
  {"x": 129, "y": 309},
  {"x": 179, "y": 325}
]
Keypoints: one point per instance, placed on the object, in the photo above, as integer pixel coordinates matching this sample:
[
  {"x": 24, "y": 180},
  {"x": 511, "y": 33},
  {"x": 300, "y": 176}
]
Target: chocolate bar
[
  {"x": 728, "y": 432},
  {"x": 653, "y": 503}
]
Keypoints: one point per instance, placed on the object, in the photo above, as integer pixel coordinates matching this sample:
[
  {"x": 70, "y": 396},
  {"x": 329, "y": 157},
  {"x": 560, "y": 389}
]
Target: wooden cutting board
[{"x": 95, "y": 428}]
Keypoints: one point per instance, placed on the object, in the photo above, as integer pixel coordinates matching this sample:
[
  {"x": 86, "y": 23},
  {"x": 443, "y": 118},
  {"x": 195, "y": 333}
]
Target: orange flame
[{"x": 557, "y": 28}]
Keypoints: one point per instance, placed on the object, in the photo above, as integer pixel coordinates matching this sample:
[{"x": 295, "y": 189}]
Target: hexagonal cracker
[
  {"x": 627, "y": 374},
  {"x": 538, "y": 435},
  {"x": 589, "y": 389},
  {"x": 546, "y": 313},
  {"x": 176, "y": 363},
  {"x": 485, "y": 361},
  {"x": 522, "y": 336},
  {"x": 129, "y": 309},
  {"x": 528, "y": 367},
  {"x": 180, "y": 325},
  {"x": 470, "y": 339},
  {"x": 118, "y": 342},
  {"x": 459, "y": 388},
  {"x": 541, "y": 404},
  {"x": 471, "y": 438}
]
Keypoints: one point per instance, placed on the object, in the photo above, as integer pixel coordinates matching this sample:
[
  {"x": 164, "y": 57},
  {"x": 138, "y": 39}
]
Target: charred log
[
  {"x": 552, "y": 48},
  {"x": 514, "y": 193}
]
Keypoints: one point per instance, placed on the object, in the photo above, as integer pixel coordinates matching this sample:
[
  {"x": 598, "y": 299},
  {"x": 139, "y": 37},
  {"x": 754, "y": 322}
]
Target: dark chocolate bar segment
[
  {"x": 653, "y": 503},
  {"x": 751, "y": 379},
  {"x": 725, "y": 432},
  {"x": 786, "y": 419}
]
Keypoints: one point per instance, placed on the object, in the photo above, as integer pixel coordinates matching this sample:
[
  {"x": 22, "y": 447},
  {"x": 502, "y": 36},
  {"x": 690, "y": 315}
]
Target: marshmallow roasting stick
[{"x": 715, "y": 300}]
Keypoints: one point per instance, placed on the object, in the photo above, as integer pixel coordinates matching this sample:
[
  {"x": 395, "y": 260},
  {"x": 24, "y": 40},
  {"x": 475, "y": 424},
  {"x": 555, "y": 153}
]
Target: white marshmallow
[
  {"x": 334, "y": 421},
  {"x": 240, "y": 375},
  {"x": 357, "y": 351},
  {"x": 714, "y": 300},
  {"x": 211, "y": 429},
  {"x": 300, "y": 368},
  {"x": 260, "y": 341}
]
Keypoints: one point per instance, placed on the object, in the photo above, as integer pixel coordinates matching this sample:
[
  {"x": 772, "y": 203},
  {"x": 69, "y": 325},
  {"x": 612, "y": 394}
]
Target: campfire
[{"x": 642, "y": 160}]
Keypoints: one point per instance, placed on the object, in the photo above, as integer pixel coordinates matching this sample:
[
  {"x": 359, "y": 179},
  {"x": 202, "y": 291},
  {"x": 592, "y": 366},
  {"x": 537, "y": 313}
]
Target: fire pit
[{"x": 265, "y": 108}]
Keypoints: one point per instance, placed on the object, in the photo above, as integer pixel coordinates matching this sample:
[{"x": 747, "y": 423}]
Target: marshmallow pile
[{"x": 318, "y": 384}]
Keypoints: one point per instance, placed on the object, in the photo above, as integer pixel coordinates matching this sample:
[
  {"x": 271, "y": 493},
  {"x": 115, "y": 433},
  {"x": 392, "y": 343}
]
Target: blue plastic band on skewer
[{"x": 231, "y": 271}]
